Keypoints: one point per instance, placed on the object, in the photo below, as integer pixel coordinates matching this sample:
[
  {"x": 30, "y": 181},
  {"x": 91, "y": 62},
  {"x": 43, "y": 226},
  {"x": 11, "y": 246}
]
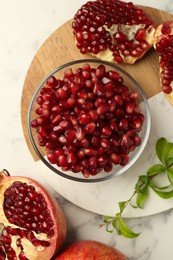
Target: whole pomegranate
[
  {"x": 32, "y": 224},
  {"x": 90, "y": 250},
  {"x": 113, "y": 30}
]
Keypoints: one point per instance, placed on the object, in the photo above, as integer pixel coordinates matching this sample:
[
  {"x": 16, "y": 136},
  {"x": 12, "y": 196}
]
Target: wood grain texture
[{"x": 59, "y": 48}]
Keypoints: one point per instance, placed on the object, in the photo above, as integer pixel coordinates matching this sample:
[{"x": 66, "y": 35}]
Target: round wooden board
[{"x": 59, "y": 48}]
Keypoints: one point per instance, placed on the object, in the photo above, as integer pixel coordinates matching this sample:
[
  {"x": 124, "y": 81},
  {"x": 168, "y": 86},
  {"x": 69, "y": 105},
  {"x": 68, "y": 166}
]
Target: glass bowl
[{"x": 119, "y": 142}]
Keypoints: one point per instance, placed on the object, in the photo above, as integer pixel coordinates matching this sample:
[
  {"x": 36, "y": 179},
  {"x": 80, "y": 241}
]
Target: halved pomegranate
[
  {"x": 163, "y": 44},
  {"x": 91, "y": 250},
  {"x": 113, "y": 30},
  {"x": 32, "y": 224},
  {"x": 88, "y": 120}
]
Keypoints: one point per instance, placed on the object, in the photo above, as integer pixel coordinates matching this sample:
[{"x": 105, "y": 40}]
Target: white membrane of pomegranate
[{"x": 144, "y": 133}]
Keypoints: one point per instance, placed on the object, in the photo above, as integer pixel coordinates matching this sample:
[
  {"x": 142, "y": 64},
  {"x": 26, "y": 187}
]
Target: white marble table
[{"x": 24, "y": 26}]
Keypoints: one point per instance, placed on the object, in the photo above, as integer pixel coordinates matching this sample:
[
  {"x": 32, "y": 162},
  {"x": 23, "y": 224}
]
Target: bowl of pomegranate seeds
[{"x": 89, "y": 120}]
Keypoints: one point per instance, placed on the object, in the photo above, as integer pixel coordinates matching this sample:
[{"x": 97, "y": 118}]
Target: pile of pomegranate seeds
[
  {"x": 113, "y": 30},
  {"x": 164, "y": 48},
  {"x": 25, "y": 207},
  {"x": 88, "y": 121}
]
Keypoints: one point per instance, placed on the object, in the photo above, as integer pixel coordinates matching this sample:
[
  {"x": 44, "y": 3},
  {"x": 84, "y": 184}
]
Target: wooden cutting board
[{"x": 59, "y": 48}]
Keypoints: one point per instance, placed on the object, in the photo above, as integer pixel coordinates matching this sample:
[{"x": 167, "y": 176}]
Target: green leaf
[
  {"x": 122, "y": 205},
  {"x": 125, "y": 231},
  {"x": 142, "y": 197},
  {"x": 115, "y": 223},
  {"x": 160, "y": 147},
  {"x": 163, "y": 194},
  {"x": 155, "y": 169},
  {"x": 169, "y": 154},
  {"x": 169, "y": 172},
  {"x": 164, "y": 150},
  {"x": 155, "y": 186},
  {"x": 169, "y": 162}
]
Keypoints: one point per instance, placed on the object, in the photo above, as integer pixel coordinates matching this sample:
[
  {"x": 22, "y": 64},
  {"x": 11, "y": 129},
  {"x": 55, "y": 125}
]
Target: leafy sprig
[{"x": 164, "y": 152}]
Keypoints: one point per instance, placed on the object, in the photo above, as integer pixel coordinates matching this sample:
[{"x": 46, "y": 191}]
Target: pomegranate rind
[
  {"x": 90, "y": 249},
  {"x": 158, "y": 36},
  {"x": 86, "y": 30},
  {"x": 56, "y": 214}
]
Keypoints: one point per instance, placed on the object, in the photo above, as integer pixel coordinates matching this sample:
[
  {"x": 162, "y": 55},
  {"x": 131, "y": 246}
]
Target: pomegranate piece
[
  {"x": 32, "y": 224},
  {"x": 112, "y": 30},
  {"x": 90, "y": 249},
  {"x": 75, "y": 135},
  {"x": 163, "y": 44}
]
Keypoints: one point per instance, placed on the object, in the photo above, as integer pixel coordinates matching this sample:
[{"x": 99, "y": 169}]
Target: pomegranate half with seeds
[
  {"x": 163, "y": 44},
  {"x": 113, "y": 30},
  {"x": 32, "y": 224},
  {"x": 88, "y": 121}
]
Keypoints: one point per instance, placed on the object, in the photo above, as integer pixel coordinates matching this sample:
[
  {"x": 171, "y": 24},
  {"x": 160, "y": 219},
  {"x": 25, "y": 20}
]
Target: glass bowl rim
[{"x": 141, "y": 147}]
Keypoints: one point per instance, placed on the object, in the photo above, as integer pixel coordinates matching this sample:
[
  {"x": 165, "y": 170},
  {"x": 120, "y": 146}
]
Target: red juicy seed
[
  {"x": 116, "y": 159},
  {"x": 71, "y": 159},
  {"x": 102, "y": 109},
  {"x": 84, "y": 118},
  {"x": 140, "y": 35},
  {"x": 42, "y": 131},
  {"x": 52, "y": 158},
  {"x": 166, "y": 28},
  {"x": 62, "y": 160},
  {"x": 108, "y": 167},
  {"x": 92, "y": 162},
  {"x": 123, "y": 124},
  {"x": 106, "y": 131},
  {"x": 84, "y": 143},
  {"x": 124, "y": 160},
  {"x": 125, "y": 141},
  {"x": 105, "y": 143},
  {"x": 113, "y": 125},
  {"x": 40, "y": 100},
  {"x": 90, "y": 151},
  {"x": 52, "y": 82},
  {"x": 167, "y": 89},
  {"x": 34, "y": 123},
  {"x": 137, "y": 140},
  {"x": 22, "y": 256},
  {"x": 77, "y": 168},
  {"x": 70, "y": 135},
  {"x": 89, "y": 128}
]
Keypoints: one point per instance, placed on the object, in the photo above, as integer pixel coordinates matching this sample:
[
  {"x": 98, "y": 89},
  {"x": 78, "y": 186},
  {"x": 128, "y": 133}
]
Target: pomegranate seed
[
  {"x": 116, "y": 159},
  {"x": 108, "y": 167},
  {"x": 106, "y": 131},
  {"x": 84, "y": 143},
  {"x": 84, "y": 118},
  {"x": 77, "y": 168},
  {"x": 89, "y": 128},
  {"x": 124, "y": 159},
  {"x": 90, "y": 151},
  {"x": 123, "y": 124},
  {"x": 140, "y": 34},
  {"x": 71, "y": 159},
  {"x": 52, "y": 82}
]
